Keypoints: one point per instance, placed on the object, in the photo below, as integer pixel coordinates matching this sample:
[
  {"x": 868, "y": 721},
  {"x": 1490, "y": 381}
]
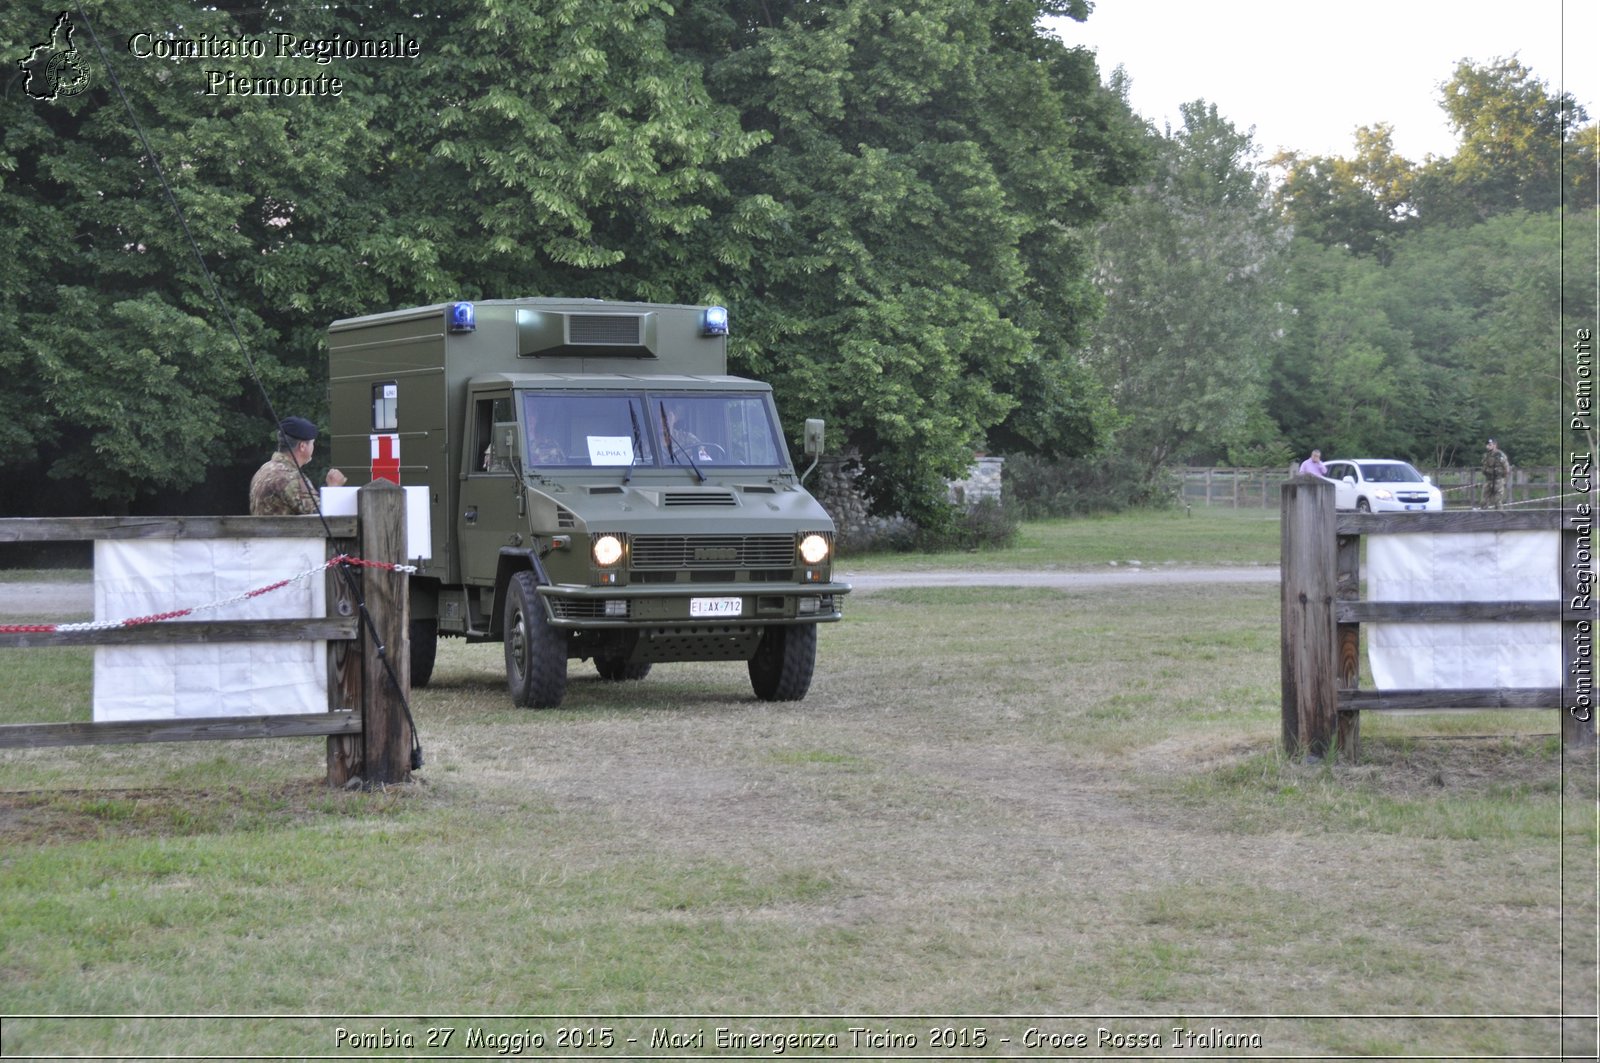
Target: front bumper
[
  {"x": 1407, "y": 505},
  {"x": 574, "y": 607}
]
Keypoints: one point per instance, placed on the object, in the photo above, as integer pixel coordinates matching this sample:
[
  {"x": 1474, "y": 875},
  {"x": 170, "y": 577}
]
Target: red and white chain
[{"x": 156, "y": 618}]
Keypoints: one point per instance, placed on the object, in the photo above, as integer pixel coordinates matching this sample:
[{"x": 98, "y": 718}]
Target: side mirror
[
  {"x": 814, "y": 437},
  {"x": 813, "y": 444},
  {"x": 1427, "y": 479},
  {"x": 1351, "y": 480}
]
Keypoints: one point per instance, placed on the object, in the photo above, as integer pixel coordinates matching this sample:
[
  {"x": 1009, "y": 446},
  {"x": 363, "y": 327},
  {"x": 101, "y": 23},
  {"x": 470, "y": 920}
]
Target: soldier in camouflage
[
  {"x": 1496, "y": 471},
  {"x": 278, "y": 488}
]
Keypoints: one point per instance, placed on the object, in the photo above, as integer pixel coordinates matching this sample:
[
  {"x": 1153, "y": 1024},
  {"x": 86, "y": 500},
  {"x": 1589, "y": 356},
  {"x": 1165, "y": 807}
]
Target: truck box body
[{"x": 551, "y": 434}]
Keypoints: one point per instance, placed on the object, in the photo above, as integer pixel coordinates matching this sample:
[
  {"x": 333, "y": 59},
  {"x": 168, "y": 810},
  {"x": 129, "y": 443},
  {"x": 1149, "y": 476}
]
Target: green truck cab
[{"x": 598, "y": 488}]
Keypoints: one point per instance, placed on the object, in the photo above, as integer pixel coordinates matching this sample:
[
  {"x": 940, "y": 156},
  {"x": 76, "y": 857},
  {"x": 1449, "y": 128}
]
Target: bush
[
  {"x": 1039, "y": 489},
  {"x": 988, "y": 524}
]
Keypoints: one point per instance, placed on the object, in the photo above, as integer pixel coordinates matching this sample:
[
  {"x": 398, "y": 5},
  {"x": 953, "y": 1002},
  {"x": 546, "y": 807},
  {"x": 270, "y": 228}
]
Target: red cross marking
[{"x": 386, "y": 457}]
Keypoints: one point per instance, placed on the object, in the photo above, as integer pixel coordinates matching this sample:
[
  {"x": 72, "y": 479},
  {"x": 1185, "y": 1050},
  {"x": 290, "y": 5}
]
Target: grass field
[{"x": 1000, "y": 808}]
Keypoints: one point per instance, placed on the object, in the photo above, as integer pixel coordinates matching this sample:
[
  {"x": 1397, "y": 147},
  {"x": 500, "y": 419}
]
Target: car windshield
[
  {"x": 1389, "y": 472},
  {"x": 597, "y": 430}
]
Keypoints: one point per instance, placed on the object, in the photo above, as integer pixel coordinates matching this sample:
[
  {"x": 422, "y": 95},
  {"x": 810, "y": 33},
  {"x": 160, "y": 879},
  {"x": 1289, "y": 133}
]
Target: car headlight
[
  {"x": 607, "y": 550},
  {"x": 814, "y": 549},
  {"x": 1385, "y": 495}
]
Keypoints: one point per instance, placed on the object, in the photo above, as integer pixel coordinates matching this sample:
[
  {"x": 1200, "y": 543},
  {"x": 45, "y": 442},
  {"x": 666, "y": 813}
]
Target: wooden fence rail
[
  {"x": 1230, "y": 488},
  {"x": 368, "y": 729},
  {"x": 1322, "y": 613}
]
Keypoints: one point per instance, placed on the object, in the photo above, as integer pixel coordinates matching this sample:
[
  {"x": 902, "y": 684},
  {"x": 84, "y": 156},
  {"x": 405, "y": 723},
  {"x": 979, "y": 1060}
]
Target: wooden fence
[
  {"x": 367, "y": 726},
  {"x": 1259, "y": 488},
  {"x": 1322, "y": 613}
]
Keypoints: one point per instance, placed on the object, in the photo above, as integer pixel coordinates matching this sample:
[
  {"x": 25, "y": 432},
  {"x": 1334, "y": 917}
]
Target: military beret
[{"x": 297, "y": 428}]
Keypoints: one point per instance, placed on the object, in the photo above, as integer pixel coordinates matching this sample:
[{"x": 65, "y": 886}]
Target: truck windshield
[
  {"x": 661, "y": 429},
  {"x": 586, "y": 430},
  {"x": 715, "y": 429}
]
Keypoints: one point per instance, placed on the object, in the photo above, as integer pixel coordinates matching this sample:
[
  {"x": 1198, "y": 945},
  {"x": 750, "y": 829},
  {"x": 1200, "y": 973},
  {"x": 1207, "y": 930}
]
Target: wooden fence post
[
  {"x": 344, "y": 671},
  {"x": 1347, "y": 588},
  {"x": 1310, "y": 707},
  {"x": 385, "y": 645}
]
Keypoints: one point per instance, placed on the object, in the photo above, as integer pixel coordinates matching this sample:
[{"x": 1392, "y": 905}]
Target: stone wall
[
  {"x": 835, "y": 485},
  {"x": 982, "y": 482}
]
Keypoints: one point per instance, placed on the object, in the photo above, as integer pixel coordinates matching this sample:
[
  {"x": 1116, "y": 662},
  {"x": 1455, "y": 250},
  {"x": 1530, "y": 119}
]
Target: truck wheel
[
  {"x": 536, "y": 653},
  {"x": 424, "y": 648},
  {"x": 782, "y": 665},
  {"x": 614, "y": 669}
]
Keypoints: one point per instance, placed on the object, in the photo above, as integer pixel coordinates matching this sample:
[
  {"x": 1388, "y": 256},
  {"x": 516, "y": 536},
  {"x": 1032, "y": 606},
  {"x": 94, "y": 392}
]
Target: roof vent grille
[{"x": 605, "y": 330}]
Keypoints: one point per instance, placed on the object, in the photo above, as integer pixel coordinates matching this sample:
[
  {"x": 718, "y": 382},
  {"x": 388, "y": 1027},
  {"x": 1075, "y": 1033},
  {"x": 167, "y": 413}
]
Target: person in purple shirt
[{"x": 1313, "y": 466}]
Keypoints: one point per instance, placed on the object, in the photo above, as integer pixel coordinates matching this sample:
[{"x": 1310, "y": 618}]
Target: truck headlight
[
  {"x": 607, "y": 550},
  {"x": 814, "y": 549}
]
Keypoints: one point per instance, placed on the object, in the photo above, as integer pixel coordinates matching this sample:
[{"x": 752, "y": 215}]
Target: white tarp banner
[
  {"x": 341, "y": 502},
  {"x": 144, "y": 577},
  {"x": 1464, "y": 567}
]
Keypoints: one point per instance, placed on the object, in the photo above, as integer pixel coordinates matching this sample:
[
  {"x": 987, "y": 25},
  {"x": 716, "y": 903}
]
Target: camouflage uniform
[
  {"x": 278, "y": 489},
  {"x": 1496, "y": 470}
]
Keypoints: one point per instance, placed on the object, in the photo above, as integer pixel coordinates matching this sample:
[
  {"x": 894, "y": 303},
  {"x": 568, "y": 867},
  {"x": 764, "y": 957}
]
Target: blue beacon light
[
  {"x": 463, "y": 317},
  {"x": 715, "y": 321}
]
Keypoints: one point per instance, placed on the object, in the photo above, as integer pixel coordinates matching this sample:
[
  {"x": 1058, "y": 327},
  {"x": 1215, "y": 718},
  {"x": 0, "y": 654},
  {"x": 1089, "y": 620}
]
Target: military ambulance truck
[{"x": 599, "y": 489}]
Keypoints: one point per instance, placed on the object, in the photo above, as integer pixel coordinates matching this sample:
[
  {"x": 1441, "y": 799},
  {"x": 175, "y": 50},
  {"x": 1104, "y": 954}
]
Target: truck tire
[
  {"x": 783, "y": 662},
  {"x": 424, "y": 648},
  {"x": 615, "y": 669},
  {"x": 536, "y": 653}
]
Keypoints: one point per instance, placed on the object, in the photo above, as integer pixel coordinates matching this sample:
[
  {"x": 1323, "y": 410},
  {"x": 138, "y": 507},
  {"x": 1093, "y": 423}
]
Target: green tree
[
  {"x": 919, "y": 272},
  {"x": 131, "y": 380},
  {"x": 528, "y": 149},
  {"x": 1513, "y": 133},
  {"x": 1190, "y": 268},
  {"x": 1457, "y": 339},
  {"x": 1511, "y": 129},
  {"x": 1363, "y": 203},
  {"x": 1484, "y": 306},
  {"x": 1345, "y": 378}
]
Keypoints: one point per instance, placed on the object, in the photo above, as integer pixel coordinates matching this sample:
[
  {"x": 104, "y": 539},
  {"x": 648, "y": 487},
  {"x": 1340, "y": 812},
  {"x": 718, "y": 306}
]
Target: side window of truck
[
  {"x": 385, "y": 402},
  {"x": 495, "y": 437}
]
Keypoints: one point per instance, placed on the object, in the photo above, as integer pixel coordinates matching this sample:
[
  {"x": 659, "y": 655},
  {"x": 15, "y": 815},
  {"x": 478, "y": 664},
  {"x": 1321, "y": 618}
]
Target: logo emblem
[{"x": 54, "y": 67}]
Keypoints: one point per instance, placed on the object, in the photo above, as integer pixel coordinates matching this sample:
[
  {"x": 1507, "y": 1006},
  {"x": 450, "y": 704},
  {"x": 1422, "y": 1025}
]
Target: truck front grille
[{"x": 712, "y": 551}]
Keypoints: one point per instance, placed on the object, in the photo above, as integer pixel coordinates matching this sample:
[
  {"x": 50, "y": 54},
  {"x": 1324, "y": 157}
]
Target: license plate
[{"x": 716, "y": 606}]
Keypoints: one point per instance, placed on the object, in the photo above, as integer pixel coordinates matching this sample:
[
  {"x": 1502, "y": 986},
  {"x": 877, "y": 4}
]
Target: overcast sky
[{"x": 1306, "y": 75}]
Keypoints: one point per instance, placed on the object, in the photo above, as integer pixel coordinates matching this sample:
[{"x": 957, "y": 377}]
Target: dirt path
[
  {"x": 1119, "y": 576},
  {"x": 23, "y": 600}
]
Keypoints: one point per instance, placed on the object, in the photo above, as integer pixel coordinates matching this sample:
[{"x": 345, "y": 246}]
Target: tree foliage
[
  {"x": 1363, "y": 203},
  {"x": 891, "y": 199},
  {"x": 1457, "y": 339},
  {"x": 934, "y": 224},
  {"x": 920, "y": 278},
  {"x": 1428, "y": 299},
  {"x": 1190, "y": 269}
]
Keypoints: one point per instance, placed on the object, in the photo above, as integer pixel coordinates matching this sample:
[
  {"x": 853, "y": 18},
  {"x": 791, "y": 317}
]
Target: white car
[{"x": 1382, "y": 486}]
